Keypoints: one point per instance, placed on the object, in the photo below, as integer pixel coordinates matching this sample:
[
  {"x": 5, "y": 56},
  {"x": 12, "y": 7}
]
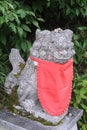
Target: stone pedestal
[
  {"x": 74, "y": 127},
  {"x": 9, "y": 121}
]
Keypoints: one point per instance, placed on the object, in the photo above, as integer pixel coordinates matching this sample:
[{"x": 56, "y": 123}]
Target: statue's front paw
[
  {"x": 28, "y": 105},
  {"x": 23, "y": 91}
]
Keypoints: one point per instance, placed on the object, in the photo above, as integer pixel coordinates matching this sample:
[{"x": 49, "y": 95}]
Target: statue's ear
[
  {"x": 37, "y": 33},
  {"x": 68, "y": 33}
]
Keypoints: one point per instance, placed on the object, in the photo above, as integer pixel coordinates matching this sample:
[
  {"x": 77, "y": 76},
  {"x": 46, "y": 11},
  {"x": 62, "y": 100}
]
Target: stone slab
[
  {"x": 11, "y": 121},
  {"x": 74, "y": 127}
]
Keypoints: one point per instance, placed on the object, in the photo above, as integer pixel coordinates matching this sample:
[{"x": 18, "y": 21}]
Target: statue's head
[{"x": 55, "y": 46}]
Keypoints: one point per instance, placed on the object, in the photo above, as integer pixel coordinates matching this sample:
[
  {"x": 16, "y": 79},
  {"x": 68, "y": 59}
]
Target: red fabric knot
[{"x": 54, "y": 85}]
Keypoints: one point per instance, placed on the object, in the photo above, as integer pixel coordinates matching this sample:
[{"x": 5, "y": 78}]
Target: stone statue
[{"x": 55, "y": 47}]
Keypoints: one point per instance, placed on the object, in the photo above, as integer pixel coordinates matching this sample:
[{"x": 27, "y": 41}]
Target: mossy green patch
[
  {"x": 21, "y": 66},
  {"x": 13, "y": 99},
  {"x": 30, "y": 116},
  {"x": 9, "y": 101}
]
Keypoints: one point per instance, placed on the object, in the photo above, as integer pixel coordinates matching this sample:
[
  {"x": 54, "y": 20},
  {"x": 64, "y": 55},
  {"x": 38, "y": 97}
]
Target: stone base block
[
  {"x": 74, "y": 127},
  {"x": 9, "y": 121}
]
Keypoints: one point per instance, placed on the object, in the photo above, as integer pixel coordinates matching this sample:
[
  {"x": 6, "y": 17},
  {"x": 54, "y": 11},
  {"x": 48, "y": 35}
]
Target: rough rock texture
[
  {"x": 11, "y": 121},
  {"x": 12, "y": 79},
  {"x": 55, "y": 46}
]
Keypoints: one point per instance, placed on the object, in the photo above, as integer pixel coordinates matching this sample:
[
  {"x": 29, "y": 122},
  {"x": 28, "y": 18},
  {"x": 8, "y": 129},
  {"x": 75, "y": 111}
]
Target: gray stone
[
  {"x": 74, "y": 127},
  {"x": 16, "y": 60},
  {"x": 55, "y": 46},
  {"x": 11, "y": 121}
]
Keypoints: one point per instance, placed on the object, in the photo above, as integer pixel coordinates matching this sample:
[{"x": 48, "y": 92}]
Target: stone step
[{"x": 9, "y": 121}]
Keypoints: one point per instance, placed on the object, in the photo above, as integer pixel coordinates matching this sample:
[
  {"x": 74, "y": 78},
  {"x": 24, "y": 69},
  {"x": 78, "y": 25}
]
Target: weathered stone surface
[
  {"x": 14, "y": 122},
  {"x": 55, "y": 46},
  {"x": 12, "y": 80}
]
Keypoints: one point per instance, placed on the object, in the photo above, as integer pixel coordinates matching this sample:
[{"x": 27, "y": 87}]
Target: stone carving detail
[
  {"x": 55, "y": 46},
  {"x": 12, "y": 80}
]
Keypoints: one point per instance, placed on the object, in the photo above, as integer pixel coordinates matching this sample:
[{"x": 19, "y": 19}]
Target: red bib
[{"x": 54, "y": 85}]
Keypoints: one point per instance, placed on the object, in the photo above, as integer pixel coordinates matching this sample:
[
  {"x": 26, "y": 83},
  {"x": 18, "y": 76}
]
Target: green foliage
[
  {"x": 79, "y": 98},
  {"x": 4, "y": 68},
  {"x": 65, "y": 13},
  {"x": 73, "y": 8},
  {"x": 80, "y": 41},
  {"x": 16, "y": 21}
]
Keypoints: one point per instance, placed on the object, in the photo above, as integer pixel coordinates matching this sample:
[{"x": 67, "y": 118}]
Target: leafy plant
[
  {"x": 16, "y": 21},
  {"x": 79, "y": 98},
  {"x": 4, "y": 68},
  {"x": 64, "y": 13},
  {"x": 80, "y": 43},
  {"x": 73, "y": 9}
]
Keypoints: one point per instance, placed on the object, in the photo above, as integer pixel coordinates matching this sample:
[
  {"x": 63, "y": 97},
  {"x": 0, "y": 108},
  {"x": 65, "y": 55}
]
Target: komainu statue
[{"x": 45, "y": 83}]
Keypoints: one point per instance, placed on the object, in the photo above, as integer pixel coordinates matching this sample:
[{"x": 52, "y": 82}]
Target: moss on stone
[
  {"x": 12, "y": 100},
  {"x": 30, "y": 116},
  {"x": 17, "y": 75},
  {"x": 21, "y": 66}
]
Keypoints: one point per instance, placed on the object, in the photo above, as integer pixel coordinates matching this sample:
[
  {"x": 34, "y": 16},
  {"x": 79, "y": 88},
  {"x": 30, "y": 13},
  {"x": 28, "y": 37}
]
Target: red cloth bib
[{"x": 54, "y": 85}]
